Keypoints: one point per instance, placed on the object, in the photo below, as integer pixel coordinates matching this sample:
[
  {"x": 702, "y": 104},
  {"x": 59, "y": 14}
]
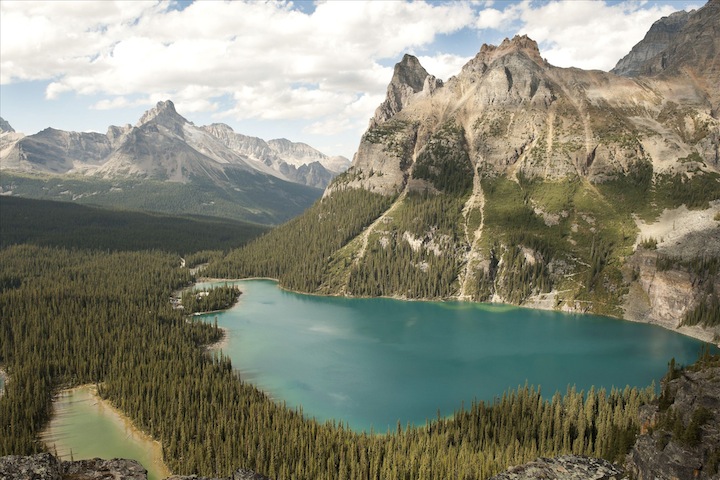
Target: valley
[{"x": 521, "y": 261}]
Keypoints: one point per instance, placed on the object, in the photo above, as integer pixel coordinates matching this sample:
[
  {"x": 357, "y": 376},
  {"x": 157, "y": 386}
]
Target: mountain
[
  {"x": 214, "y": 170},
  {"x": 297, "y": 162},
  {"x": 5, "y": 126},
  {"x": 682, "y": 45},
  {"x": 164, "y": 145},
  {"x": 520, "y": 182},
  {"x": 655, "y": 42},
  {"x": 8, "y": 135}
]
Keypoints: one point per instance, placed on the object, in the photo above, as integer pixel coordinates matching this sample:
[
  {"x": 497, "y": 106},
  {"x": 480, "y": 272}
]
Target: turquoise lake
[{"x": 374, "y": 362}]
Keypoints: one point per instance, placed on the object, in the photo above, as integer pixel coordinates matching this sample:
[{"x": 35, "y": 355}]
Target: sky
[{"x": 311, "y": 72}]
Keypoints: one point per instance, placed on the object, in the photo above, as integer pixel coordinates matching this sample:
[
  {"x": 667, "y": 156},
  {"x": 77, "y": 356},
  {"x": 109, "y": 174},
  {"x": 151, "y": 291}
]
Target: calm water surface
[
  {"x": 372, "y": 362},
  {"x": 84, "y": 428}
]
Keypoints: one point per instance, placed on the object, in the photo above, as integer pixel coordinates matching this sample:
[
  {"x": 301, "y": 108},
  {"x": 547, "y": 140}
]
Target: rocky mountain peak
[
  {"x": 656, "y": 40},
  {"x": 409, "y": 72},
  {"x": 5, "y": 126},
  {"x": 164, "y": 114},
  {"x": 682, "y": 45},
  {"x": 409, "y": 79},
  {"x": 519, "y": 44}
]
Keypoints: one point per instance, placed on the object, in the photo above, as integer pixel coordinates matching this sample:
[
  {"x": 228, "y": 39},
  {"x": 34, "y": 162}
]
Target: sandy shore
[
  {"x": 154, "y": 447},
  {"x": 220, "y": 344}
]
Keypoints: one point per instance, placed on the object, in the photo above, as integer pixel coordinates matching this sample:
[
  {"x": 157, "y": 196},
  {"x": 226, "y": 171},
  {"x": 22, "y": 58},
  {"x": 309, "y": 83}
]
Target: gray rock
[
  {"x": 409, "y": 78},
  {"x": 99, "y": 469},
  {"x": 568, "y": 467},
  {"x": 239, "y": 474},
  {"x": 656, "y": 40},
  {"x": 5, "y": 126},
  {"x": 45, "y": 466},
  {"x": 658, "y": 453},
  {"x": 34, "y": 467}
]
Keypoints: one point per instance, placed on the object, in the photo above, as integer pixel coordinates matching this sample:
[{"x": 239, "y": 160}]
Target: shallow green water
[
  {"x": 372, "y": 362},
  {"x": 84, "y": 428}
]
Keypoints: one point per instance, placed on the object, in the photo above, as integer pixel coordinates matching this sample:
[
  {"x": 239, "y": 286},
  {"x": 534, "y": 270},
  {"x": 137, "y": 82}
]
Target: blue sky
[{"x": 312, "y": 72}]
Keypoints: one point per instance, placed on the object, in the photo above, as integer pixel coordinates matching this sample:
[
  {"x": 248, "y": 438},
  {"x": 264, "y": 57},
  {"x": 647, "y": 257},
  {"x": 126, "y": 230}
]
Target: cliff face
[
  {"x": 680, "y": 439},
  {"x": 658, "y": 38},
  {"x": 683, "y": 45}
]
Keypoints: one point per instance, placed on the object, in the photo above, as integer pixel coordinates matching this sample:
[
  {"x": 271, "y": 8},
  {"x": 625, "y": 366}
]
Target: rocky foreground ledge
[{"x": 45, "y": 466}]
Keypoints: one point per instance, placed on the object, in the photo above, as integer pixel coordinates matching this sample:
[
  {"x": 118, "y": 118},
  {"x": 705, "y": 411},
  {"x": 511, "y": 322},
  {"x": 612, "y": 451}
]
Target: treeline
[
  {"x": 416, "y": 252},
  {"x": 64, "y": 224},
  {"x": 522, "y": 276},
  {"x": 297, "y": 252},
  {"x": 210, "y": 300},
  {"x": 394, "y": 267},
  {"x": 72, "y": 317}
]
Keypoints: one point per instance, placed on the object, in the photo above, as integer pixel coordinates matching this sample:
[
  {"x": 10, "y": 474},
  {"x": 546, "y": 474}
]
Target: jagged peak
[
  {"x": 410, "y": 72},
  {"x": 490, "y": 53},
  {"x": 219, "y": 127},
  {"x": 5, "y": 126},
  {"x": 161, "y": 113},
  {"x": 409, "y": 78}
]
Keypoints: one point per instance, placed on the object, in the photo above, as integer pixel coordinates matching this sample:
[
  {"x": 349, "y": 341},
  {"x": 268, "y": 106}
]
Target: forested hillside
[{"x": 62, "y": 224}]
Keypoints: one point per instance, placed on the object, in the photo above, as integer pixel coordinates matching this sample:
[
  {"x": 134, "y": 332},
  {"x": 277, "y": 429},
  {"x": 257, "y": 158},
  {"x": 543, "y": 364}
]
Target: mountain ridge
[{"x": 162, "y": 145}]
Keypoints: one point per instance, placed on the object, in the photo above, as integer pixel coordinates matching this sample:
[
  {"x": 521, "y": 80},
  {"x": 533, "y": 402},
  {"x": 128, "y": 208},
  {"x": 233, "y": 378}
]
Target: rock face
[
  {"x": 656, "y": 41},
  {"x": 165, "y": 146},
  {"x": 568, "y": 467},
  {"x": 683, "y": 45},
  {"x": 409, "y": 78},
  {"x": 5, "y": 126},
  {"x": 45, "y": 466},
  {"x": 520, "y": 115},
  {"x": 680, "y": 439}
]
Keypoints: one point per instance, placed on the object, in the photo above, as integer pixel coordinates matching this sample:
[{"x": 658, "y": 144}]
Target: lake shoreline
[
  {"x": 118, "y": 417},
  {"x": 220, "y": 344},
  {"x": 353, "y": 342},
  {"x": 695, "y": 332}
]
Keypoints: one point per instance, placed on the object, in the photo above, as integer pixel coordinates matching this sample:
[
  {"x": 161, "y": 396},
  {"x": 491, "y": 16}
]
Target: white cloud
[
  {"x": 275, "y": 62},
  {"x": 443, "y": 65},
  {"x": 500, "y": 19}
]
